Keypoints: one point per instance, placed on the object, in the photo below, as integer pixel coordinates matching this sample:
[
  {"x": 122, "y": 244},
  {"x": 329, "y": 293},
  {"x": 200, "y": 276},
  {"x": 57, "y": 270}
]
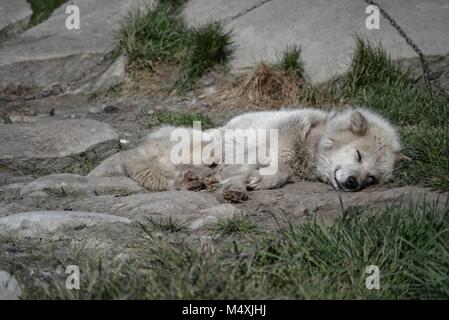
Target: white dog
[{"x": 348, "y": 149}]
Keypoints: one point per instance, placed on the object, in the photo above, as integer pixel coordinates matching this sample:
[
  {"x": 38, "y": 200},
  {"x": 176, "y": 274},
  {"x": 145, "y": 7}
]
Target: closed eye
[
  {"x": 371, "y": 179},
  {"x": 359, "y": 156}
]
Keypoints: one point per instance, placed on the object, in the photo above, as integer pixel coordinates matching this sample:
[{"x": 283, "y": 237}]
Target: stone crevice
[{"x": 244, "y": 12}]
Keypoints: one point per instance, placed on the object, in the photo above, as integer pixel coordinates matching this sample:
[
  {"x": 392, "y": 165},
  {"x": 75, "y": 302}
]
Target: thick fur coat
[{"x": 348, "y": 149}]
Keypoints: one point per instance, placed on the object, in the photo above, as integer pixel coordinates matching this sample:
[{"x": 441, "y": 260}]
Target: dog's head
[{"x": 357, "y": 148}]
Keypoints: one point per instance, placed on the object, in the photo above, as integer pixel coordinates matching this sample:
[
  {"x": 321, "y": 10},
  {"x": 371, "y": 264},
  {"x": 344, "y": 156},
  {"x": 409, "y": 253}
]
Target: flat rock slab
[
  {"x": 39, "y": 223},
  {"x": 323, "y": 28},
  {"x": 13, "y": 12},
  {"x": 307, "y": 199},
  {"x": 65, "y": 184},
  {"x": 54, "y": 145},
  {"x": 180, "y": 205},
  {"x": 49, "y": 52}
]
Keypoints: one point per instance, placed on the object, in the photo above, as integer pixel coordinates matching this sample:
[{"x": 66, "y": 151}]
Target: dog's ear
[{"x": 358, "y": 124}]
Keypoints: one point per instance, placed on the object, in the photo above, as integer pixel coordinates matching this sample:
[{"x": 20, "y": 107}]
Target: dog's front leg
[{"x": 264, "y": 179}]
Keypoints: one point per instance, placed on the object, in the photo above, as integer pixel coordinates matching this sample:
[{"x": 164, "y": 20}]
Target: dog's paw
[
  {"x": 256, "y": 181},
  {"x": 211, "y": 182},
  {"x": 191, "y": 181},
  {"x": 235, "y": 193}
]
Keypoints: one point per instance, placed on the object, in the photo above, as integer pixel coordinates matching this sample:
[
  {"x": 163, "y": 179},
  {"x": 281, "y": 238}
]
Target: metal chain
[{"x": 424, "y": 64}]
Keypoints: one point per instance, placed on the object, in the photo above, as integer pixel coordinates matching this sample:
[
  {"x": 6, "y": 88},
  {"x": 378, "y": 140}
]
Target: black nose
[{"x": 351, "y": 183}]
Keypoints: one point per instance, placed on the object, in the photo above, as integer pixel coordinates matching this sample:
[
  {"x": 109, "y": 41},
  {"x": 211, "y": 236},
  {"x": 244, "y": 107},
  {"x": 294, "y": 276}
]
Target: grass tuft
[
  {"x": 235, "y": 225},
  {"x": 151, "y": 36},
  {"x": 290, "y": 61},
  {"x": 428, "y": 148},
  {"x": 210, "y": 46},
  {"x": 370, "y": 66},
  {"x": 167, "y": 224},
  {"x": 86, "y": 163},
  {"x": 160, "y": 35},
  {"x": 268, "y": 86},
  {"x": 42, "y": 9}
]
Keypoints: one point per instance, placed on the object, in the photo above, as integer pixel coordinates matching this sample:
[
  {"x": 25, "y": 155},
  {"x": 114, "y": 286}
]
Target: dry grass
[
  {"x": 265, "y": 86},
  {"x": 158, "y": 82}
]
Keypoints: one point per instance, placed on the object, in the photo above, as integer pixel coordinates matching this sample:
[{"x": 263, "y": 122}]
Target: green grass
[
  {"x": 404, "y": 104},
  {"x": 166, "y": 224},
  {"x": 409, "y": 244},
  {"x": 236, "y": 225},
  {"x": 152, "y": 36},
  {"x": 209, "y": 46},
  {"x": 290, "y": 61},
  {"x": 181, "y": 119},
  {"x": 370, "y": 66},
  {"x": 86, "y": 163},
  {"x": 42, "y": 9},
  {"x": 160, "y": 35},
  {"x": 375, "y": 81},
  {"x": 428, "y": 147}
]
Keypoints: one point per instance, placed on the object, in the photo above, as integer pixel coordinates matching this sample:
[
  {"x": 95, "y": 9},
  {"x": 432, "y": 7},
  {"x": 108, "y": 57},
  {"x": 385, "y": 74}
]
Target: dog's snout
[{"x": 351, "y": 183}]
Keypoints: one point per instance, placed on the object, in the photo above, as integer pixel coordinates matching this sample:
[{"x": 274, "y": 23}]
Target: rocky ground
[{"x": 59, "y": 118}]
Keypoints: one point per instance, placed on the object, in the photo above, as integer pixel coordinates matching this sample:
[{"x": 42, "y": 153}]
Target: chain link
[{"x": 424, "y": 64}]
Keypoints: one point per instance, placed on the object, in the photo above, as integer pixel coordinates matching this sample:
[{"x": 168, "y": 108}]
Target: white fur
[{"x": 313, "y": 144}]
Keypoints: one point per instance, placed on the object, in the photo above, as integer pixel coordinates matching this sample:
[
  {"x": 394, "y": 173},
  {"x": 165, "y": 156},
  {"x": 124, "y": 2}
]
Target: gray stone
[
  {"x": 110, "y": 167},
  {"x": 439, "y": 69},
  {"x": 41, "y": 223},
  {"x": 9, "y": 287},
  {"x": 323, "y": 28},
  {"x": 185, "y": 205},
  {"x": 306, "y": 199},
  {"x": 54, "y": 145},
  {"x": 210, "y": 216},
  {"x": 13, "y": 13},
  {"x": 49, "y": 52},
  {"x": 11, "y": 191},
  {"x": 113, "y": 76},
  {"x": 66, "y": 184}
]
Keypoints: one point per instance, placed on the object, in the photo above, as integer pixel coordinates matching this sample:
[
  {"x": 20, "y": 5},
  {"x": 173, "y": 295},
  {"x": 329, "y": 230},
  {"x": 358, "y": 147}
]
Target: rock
[
  {"x": 439, "y": 69},
  {"x": 94, "y": 110},
  {"x": 212, "y": 215},
  {"x": 324, "y": 29},
  {"x": 56, "y": 89},
  {"x": 113, "y": 76},
  {"x": 304, "y": 199},
  {"x": 111, "y": 109},
  {"x": 11, "y": 191},
  {"x": 110, "y": 167},
  {"x": 9, "y": 287},
  {"x": 66, "y": 184},
  {"x": 54, "y": 145},
  {"x": 183, "y": 205},
  {"x": 12, "y": 14},
  {"x": 50, "y": 53},
  {"x": 41, "y": 223},
  {"x": 22, "y": 118}
]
